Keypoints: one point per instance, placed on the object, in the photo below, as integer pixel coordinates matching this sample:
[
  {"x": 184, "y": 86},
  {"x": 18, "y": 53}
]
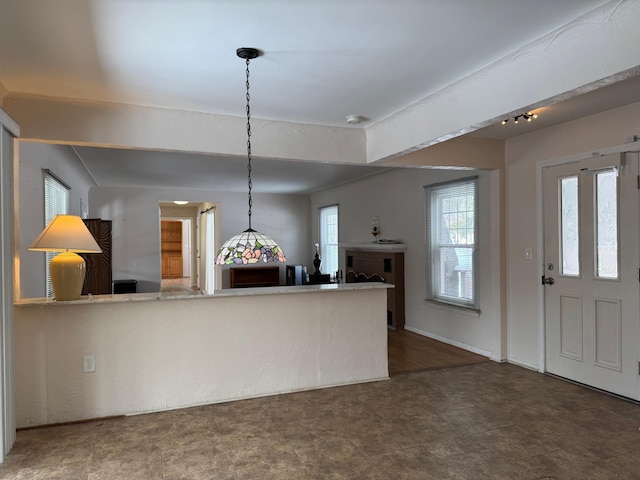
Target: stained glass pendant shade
[{"x": 249, "y": 246}]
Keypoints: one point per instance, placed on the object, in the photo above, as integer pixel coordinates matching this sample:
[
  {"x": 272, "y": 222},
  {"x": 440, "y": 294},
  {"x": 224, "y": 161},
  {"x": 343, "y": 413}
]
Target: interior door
[{"x": 592, "y": 331}]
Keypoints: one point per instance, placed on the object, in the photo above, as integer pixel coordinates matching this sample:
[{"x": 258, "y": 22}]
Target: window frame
[
  {"x": 52, "y": 187},
  {"x": 434, "y": 196}
]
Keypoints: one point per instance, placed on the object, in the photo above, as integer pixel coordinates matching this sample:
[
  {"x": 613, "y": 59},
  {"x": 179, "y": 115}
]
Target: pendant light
[{"x": 249, "y": 246}]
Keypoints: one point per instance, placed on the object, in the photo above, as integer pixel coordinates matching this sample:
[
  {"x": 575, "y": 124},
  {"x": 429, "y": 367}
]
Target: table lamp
[{"x": 67, "y": 234}]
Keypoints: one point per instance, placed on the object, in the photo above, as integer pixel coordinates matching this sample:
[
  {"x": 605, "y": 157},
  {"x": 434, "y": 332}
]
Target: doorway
[
  {"x": 188, "y": 261},
  {"x": 176, "y": 253},
  {"x": 591, "y": 260},
  {"x": 179, "y": 246}
]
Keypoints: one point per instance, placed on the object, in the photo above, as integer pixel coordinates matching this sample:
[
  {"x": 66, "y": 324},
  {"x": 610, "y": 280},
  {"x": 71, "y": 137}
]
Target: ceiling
[
  {"x": 322, "y": 62},
  {"x": 151, "y": 169}
]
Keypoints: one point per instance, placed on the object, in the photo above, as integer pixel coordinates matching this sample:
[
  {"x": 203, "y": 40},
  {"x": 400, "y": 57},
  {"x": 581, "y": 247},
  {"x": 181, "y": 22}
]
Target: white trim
[
  {"x": 498, "y": 266},
  {"x": 251, "y": 397},
  {"x": 452, "y": 307},
  {"x": 7, "y": 255},
  {"x": 448, "y": 341},
  {"x": 7, "y": 122},
  {"x": 624, "y": 148},
  {"x": 542, "y": 352},
  {"x": 528, "y": 366}
]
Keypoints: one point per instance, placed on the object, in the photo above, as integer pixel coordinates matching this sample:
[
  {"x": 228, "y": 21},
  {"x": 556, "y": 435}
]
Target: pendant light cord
[{"x": 249, "y": 145}]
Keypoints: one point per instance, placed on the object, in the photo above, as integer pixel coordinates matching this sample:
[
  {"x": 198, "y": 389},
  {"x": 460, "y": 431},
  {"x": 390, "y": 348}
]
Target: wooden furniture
[
  {"x": 373, "y": 262},
  {"x": 296, "y": 275},
  {"x": 97, "y": 279},
  {"x": 254, "y": 276},
  {"x": 319, "y": 278},
  {"x": 171, "y": 248},
  {"x": 172, "y": 267},
  {"x": 124, "y": 286}
]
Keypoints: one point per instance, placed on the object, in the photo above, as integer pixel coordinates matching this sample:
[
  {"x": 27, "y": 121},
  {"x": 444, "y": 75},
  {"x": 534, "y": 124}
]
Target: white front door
[{"x": 592, "y": 322}]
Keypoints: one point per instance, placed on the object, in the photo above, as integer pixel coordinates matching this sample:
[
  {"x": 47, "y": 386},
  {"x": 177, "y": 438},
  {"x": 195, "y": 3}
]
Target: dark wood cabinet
[
  {"x": 97, "y": 279},
  {"x": 376, "y": 263},
  {"x": 254, "y": 276}
]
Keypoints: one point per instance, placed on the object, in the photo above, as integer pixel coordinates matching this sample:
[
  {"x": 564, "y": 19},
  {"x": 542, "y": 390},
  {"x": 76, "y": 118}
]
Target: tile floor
[{"x": 485, "y": 421}]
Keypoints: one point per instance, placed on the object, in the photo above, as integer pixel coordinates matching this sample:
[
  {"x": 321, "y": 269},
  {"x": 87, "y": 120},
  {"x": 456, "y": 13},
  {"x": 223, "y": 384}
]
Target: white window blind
[
  {"x": 56, "y": 201},
  {"x": 452, "y": 242},
  {"x": 329, "y": 239}
]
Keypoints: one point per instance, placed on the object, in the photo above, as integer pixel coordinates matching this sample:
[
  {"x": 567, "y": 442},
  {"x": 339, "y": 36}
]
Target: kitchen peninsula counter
[{"x": 172, "y": 350}]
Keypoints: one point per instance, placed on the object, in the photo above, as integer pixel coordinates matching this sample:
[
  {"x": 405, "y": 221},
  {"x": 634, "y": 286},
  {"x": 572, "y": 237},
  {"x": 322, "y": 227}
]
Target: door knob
[{"x": 548, "y": 281}]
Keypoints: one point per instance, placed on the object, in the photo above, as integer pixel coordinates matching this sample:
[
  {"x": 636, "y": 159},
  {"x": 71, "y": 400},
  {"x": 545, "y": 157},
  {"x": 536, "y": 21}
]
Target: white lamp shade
[{"x": 66, "y": 233}]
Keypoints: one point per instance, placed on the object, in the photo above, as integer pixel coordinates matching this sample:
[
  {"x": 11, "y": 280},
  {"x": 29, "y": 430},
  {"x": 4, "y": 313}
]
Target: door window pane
[
  {"x": 606, "y": 224},
  {"x": 569, "y": 226}
]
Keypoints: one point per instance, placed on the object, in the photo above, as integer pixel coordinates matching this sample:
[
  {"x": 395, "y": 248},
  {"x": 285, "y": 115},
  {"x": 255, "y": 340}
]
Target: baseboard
[
  {"x": 71, "y": 422},
  {"x": 479, "y": 351},
  {"x": 202, "y": 404},
  {"x": 529, "y": 366}
]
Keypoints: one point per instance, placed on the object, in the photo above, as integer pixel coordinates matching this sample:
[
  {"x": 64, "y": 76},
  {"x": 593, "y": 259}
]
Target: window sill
[{"x": 468, "y": 311}]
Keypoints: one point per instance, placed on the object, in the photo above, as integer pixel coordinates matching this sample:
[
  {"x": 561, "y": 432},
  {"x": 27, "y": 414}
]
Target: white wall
[
  {"x": 62, "y": 161},
  {"x": 136, "y": 226},
  {"x": 591, "y": 133},
  {"x": 163, "y": 354},
  {"x": 65, "y": 120},
  {"x": 397, "y": 198}
]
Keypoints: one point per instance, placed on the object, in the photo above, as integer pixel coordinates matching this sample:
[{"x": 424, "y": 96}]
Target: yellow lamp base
[{"x": 67, "y": 275}]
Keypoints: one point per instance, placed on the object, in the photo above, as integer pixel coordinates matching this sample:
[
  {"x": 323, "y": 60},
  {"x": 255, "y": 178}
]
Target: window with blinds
[
  {"x": 56, "y": 201},
  {"x": 451, "y": 242}
]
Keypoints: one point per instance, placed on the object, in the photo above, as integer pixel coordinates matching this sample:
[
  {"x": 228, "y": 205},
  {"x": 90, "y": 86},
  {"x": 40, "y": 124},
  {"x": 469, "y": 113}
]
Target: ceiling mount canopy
[
  {"x": 249, "y": 246},
  {"x": 248, "y": 53}
]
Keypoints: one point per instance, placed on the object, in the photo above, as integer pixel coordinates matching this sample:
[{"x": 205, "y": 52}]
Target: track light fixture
[{"x": 528, "y": 116}]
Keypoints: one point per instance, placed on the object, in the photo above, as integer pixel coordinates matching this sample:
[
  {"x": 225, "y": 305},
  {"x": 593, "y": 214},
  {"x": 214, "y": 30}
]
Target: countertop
[{"x": 187, "y": 294}]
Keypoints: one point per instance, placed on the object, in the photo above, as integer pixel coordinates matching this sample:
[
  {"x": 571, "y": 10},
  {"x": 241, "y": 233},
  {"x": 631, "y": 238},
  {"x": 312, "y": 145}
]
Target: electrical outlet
[{"x": 89, "y": 363}]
